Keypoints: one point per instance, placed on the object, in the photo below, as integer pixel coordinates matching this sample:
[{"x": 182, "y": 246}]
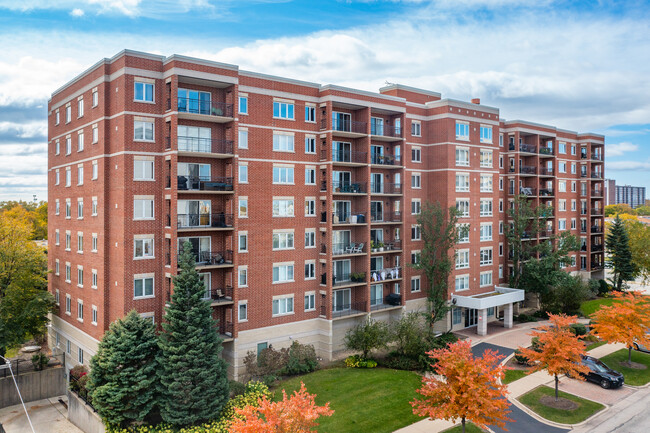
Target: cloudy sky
[{"x": 578, "y": 65}]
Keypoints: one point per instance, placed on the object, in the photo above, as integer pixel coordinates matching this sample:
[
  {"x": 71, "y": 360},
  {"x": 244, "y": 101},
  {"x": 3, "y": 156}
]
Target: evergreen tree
[
  {"x": 192, "y": 374},
  {"x": 619, "y": 256},
  {"x": 123, "y": 372}
]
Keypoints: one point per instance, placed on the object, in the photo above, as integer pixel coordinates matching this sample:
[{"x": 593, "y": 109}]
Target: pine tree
[
  {"x": 192, "y": 374},
  {"x": 619, "y": 256},
  {"x": 123, "y": 372}
]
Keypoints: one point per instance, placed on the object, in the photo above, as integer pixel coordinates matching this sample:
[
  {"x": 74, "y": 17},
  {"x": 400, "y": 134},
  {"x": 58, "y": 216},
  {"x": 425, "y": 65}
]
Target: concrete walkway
[
  {"x": 48, "y": 416},
  {"x": 527, "y": 421}
]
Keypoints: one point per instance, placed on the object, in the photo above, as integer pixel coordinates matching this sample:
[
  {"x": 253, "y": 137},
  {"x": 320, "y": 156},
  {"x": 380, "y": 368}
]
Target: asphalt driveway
[
  {"x": 524, "y": 423},
  {"x": 478, "y": 350}
]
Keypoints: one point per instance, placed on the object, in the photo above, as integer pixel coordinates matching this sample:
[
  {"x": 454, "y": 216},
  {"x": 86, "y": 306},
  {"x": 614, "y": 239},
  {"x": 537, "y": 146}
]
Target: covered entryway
[{"x": 477, "y": 306}]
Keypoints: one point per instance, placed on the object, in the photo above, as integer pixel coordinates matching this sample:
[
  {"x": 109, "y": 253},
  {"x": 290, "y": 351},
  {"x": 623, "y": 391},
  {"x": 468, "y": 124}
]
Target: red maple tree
[
  {"x": 468, "y": 388},
  {"x": 626, "y": 321},
  {"x": 295, "y": 414},
  {"x": 559, "y": 350}
]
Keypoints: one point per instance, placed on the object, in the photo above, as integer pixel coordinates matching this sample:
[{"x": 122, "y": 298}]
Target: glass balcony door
[
  {"x": 342, "y": 270},
  {"x": 341, "y": 151},
  {"x": 341, "y": 300},
  {"x": 193, "y": 174},
  {"x": 194, "y": 101},
  {"x": 207, "y": 282},
  {"x": 377, "y": 183},
  {"x": 194, "y": 139},
  {"x": 377, "y": 210},
  {"x": 200, "y": 247},
  {"x": 194, "y": 213},
  {"x": 341, "y": 121},
  {"x": 342, "y": 180},
  {"x": 340, "y": 241},
  {"x": 376, "y": 154},
  {"x": 342, "y": 209},
  {"x": 376, "y": 294},
  {"x": 376, "y": 126}
]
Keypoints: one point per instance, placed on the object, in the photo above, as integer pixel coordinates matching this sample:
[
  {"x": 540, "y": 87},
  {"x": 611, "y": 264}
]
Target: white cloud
[
  {"x": 619, "y": 149},
  {"x": 627, "y": 165},
  {"x": 77, "y": 12}
]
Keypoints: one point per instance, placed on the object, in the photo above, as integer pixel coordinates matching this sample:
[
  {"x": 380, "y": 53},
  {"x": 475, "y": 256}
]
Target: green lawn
[
  {"x": 585, "y": 409},
  {"x": 512, "y": 375},
  {"x": 589, "y": 307},
  {"x": 363, "y": 400},
  {"x": 632, "y": 376},
  {"x": 469, "y": 428},
  {"x": 598, "y": 344}
]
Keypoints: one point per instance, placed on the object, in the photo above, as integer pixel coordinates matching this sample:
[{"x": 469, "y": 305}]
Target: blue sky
[{"x": 578, "y": 65}]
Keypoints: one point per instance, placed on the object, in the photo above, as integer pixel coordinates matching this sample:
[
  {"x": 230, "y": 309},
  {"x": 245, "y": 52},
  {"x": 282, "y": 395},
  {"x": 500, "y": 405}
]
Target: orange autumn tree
[
  {"x": 470, "y": 390},
  {"x": 559, "y": 350},
  {"x": 626, "y": 321},
  {"x": 295, "y": 414}
]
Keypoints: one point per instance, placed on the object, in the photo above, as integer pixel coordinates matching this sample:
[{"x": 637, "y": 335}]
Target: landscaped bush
[
  {"x": 302, "y": 359},
  {"x": 39, "y": 361},
  {"x": 540, "y": 314},
  {"x": 521, "y": 359},
  {"x": 398, "y": 361},
  {"x": 356, "y": 361},
  {"x": 368, "y": 335},
  {"x": 578, "y": 329},
  {"x": 603, "y": 287},
  {"x": 76, "y": 373},
  {"x": 523, "y": 318},
  {"x": 271, "y": 363}
]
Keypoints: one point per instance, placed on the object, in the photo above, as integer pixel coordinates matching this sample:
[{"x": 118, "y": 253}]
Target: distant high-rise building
[
  {"x": 610, "y": 192},
  {"x": 632, "y": 195}
]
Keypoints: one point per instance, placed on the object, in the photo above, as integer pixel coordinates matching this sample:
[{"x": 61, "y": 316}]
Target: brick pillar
[
  {"x": 507, "y": 316},
  {"x": 481, "y": 328}
]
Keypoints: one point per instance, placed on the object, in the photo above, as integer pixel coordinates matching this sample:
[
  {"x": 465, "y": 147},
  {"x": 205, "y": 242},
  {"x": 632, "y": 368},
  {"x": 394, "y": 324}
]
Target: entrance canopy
[{"x": 500, "y": 296}]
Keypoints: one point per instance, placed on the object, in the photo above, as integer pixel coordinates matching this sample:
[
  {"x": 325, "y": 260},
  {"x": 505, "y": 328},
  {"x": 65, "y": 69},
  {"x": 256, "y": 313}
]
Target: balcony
[
  {"x": 385, "y": 188},
  {"x": 385, "y": 217},
  {"x": 385, "y": 132},
  {"x": 596, "y": 248},
  {"x": 342, "y": 310},
  {"x": 387, "y": 247},
  {"x": 595, "y": 230},
  {"x": 201, "y": 184},
  {"x": 345, "y": 249},
  {"x": 545, "y": 171},
  {"x": 205, "y": 147},
  {"x": 527, "y": 148},
  {"x": 545, "y": 233},
  {"x": 200, "y": 222},
  {"x": 345, "y": 187},
  {"x": 596, "y": 266},
  {"x": 349, "y": 279},
  {"x": 226, "y": 330},
  {"x": 596, "y": 157},
  {"x": 213, "y": 259},
  {"x": 196, "y": 109},
  {"x": 390, "y": 301},
  {"x": 386, "y": 275},
  {"x": 527, "y": 170},
  {"x": 596, "y": 193},
  {"x": 528, "y": 191},
  {"x": 348, "y": 218},
  {"x": 346, "y": 128},
  {"x": 596, "y": 175},
  {"x": 344, "y": 157},
  {"x": 546, "y": 192},
  {"x": 384, "y": 160},
  {"x": 220, "y": 295},
  {"x": 596, "y": 212},
  {"x": 545, "y": 151}
]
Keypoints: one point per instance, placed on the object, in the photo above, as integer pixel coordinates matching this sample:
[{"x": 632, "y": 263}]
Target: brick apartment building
[{"x": 300, "y": 200}]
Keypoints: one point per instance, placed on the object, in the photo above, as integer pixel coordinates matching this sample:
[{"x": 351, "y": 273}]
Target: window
[
  {"x": 80, "y": 175},
  {"x": 486, "y": 183},
  {"x": 462, "y": 283},
  {"x": 57, "y": 117},
  {"x": 310, "y": 113},
  {"x": 573, "y": 224},
  {"x": 310, "y": 207},
  {"x": 80, "y": 242},
  {"x": 80, "y": 355},
  {"x": 57, "y": 298},
  {"x": 462, "y": 182},
  {"x": 416, "y": 207},
  {"x": 486, "y": 134},
  {"x": 282, "y": 273},
  {"x": 93, "y": 206},
  {"x": 573, "y": 186},
  {"x": 80, "y": 107},
  {"x": 95, "y": 170},
  {"x": 561, "y": 224},
  {"x": 416, "y": 181},
  {"x": 310, "y": 144},
  {"x": 561, "y": 147},
  {"x": 310, "y": 270},
  {"x": 562, "y": 186},
  {"x": 80, "y": 208},
  {"x": 80, "y": 310},
  {"x": 310, "y": 176},
  {"x": 415, "y": 284},
  {"x": 573, "y": 149},
  {"x": 283, "y": 142},
  {"x": 68, "y": 310},
  {"x": 142, "y": 130},
  {"x": 68, "y": 113},
  {"x": 94, "y": 243},
  {"x": 242, "y": 311},
  {"x": 56, "y": 237},
  {"x": 416, "y": 154},
  {"x": 463, "y": 207},
  {"x": 486, "y": 232},
  {"x": 57, "y": 147},
  {"x": 243, "y": 242},
  {"x": 143, "y": 287},
  {"x": 457, "y": 316},
  {"x": 283, "y": 306},
  {"x": 80, "y": 276},
  {"x": 486, "y": 256},
  {"x": 573, "y": 205},
  {"x": 94, "y": 315},
  {"x": 282, "y": 110},
  {"x": 500, "y": 227},
  {"x": 142, "y": 92},
  {"x": 68, "y": 176},
  {"x": 310, "y": 301},
  {"x": 282, "y": 241},
  {"x": 462, "y": 130},
  {"x": 68, "y": 145},
  {"x": 562, "y": 205},
  {"x": 462, "y": 259},
  {"x": 57, "y": 267},
  {"x": 143, "y": 248},
  {"x": 416, "y": 234},
  {"x": 501, "y": 162},
  {"x": 573, "y": 168},
  {"x": 68, "y": 240},
  {"x": 243, "y": 105},
  {"x": 562, "y": 167},
  {"x": 282, "y": 208},
  {"x": 415, "y": 257},
  {"x": 95, "y": 98},
  {"x": 57, "y": 207},
  {"x": 243, "y": 207},
  {"x": 242, "y": 143},
  {"x": 242, "y": 276},
  {"x": 310, "y": 238},
  {"x": 142, "y": 209},
  {"x": 68, "y": 346},
  {"x": 486, "y": 278},
  {"x": 416, "y": 128},
  {"x": 57, "y": 177},
  {"x": 463, "y": 233},
  {"x": 95, "y": 134},
  {"x": 80, "y": 141},
  {"x": 93, "y": 275},
  {"x": 283, "y": 175},
  {"x": 486, "y": 158},
  {"x": 142, "y": 169},
  {"x": 462, "y": 157},
  {"x": 243, "y": 173},
  {"x": 486, "y": 207},
  {"x": 68, "y": 273},
  {"x": 500, "y": 205}
]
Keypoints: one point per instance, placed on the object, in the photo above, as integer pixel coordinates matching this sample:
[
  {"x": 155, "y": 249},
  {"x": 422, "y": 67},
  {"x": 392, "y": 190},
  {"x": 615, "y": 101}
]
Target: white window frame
[
  {"x": 285, "y": 305},
  {"x": 461, "y": 128}
]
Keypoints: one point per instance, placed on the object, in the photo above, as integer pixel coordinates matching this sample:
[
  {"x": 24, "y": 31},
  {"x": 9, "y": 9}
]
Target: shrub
[
  {"x": 603, "y": 287},
  {"x": 521, "y": 359},
  {"x": 367, "y": 336},
  {"x": 76, "y": 373},
  {"x": 236, "y": 388},
  {"x": 356, "y": 361},
  {"x": 409, "y": 334},
  {"x": 535, "y": 344},
  {"x": 523, "y": 318},
  {"x": 578, "y": 329},
  {"x": 398, "y": 361},
  {"x": 302, "y": 359},
  {"x": 271, "y": 361},
  {"x": 39, "y": 361},
  {"x": 540, "y": 314}
]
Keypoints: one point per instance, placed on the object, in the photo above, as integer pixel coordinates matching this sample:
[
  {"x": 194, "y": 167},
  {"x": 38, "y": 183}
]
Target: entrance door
[{"x": 471, "y": 317}]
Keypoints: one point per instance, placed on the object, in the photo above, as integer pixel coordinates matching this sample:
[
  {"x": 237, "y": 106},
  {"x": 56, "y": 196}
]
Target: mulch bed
[
  {"x": 561, "y": 403},
  {"x": 633, "y": 365},
  {"x": 514, "y": 365}
]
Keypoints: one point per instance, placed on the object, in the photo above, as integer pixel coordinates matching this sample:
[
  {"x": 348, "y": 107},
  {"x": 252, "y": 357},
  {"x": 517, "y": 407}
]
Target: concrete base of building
[{"x": 72, "y": 338}]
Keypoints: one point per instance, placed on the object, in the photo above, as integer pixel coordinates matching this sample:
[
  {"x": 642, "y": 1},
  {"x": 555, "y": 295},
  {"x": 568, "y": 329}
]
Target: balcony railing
[
  {"x": 205, "y": 145},
  {"x": 596, "y": 193},
  {"x": 530, "y": 148},
  {"x": 208, "y": 108},
  {"x": 341, "y": 310},
  {"x": 385, "y": 188},
  {"x": 383, "y": 159},
  {"x": 528, "y": 191},
  {"x": 349, "y": 126},
  {"x": 387, "y": 217},
  {"x": 348, "y": 248},
  {"x": 385, "y": 274},
  {"x": 215, "y": 220},
  {"x": 596, "y": 229},
  {"x": 545, "y": 171},
  {"x": 596, "y": 266},
  {"x": 596, "y": 212},
  {"x": 349, "y": 278},
  {"x": 385, "y": 130},
  {"x": 204, "y": 183},
  {"x": 219, "y": 294},
  {"x": 394, "y": 245},
  {"x": 583, "y": 174},
  {"x": 206, "y": 258},
  {"x": 546, "y": 192},
  {"x": 350, "y": 156},
  {"x": 527, "y": 169},
  {"x": 596, "y": 157},
  {"x": 349, "y": 187},
  {"x": 545, "y": 151},
  {"x": 596, "y": 175},
  {"x": 226, "y": 328},
  {"x": 583, "y": 155},
  {"x": 595, "y": 248},
  {"x": 348, "y": 217}
]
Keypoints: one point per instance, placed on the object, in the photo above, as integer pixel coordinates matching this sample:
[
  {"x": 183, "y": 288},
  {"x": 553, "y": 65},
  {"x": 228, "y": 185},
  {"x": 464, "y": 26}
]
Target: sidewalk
[
  {"x": 47, "y": 415},
  {"x": 511, "y": 338}
]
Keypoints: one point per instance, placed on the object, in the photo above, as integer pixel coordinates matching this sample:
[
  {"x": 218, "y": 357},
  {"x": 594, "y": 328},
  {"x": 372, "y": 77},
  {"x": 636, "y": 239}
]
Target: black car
[{"x": 601, "y": 374}]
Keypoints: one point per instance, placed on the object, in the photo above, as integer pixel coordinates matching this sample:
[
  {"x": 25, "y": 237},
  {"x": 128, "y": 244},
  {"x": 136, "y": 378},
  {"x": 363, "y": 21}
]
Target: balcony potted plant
[
  {"x": 380, "y": 246},
  {"x": 373, "y": 246}
]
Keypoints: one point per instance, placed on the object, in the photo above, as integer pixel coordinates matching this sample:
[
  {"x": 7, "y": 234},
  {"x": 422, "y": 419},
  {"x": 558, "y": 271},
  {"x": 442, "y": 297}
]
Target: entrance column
[
  {"x": 481, "y": 327},
  {"x": 507, "y": 316}
]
